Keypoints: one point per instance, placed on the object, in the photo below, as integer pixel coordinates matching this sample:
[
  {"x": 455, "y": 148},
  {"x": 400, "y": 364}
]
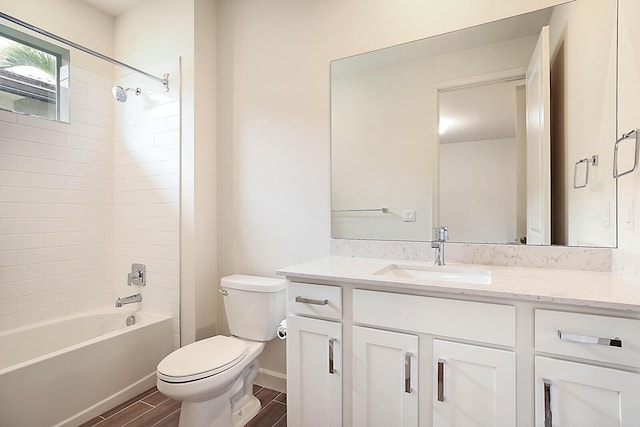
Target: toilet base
[{"x": 216, "y": 413}]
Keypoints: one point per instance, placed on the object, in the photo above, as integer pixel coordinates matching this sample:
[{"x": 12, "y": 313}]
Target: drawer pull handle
[
  {"x": 441, "y": 380},
  {"x": 407, "y": 372},
  {"x": 332, "y": 369},
  {"x": 547, "y": 403},
  {"x": 586, "y": 339},
  {"x": 312, "y": 301}
]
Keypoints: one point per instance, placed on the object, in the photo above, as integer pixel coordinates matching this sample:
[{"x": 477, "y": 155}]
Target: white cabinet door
[
  {"x": 314, "y": 372},
  {"x": 385, "y": 378},
  {"x": 473, "y": 386},
  {"x": 578, "y": 394}
]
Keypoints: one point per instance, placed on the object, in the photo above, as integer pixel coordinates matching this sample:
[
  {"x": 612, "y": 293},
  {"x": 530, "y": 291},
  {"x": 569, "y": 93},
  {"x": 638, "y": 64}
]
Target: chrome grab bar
[
  {"x": 587, "y": 339},
  {"x": 312, "y": 301},
  {"x": 624, "y": 136}
]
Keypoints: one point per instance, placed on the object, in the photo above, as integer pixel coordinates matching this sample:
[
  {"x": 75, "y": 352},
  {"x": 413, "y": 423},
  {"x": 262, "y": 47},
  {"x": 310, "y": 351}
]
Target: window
[{"x": 34, "y": 76}]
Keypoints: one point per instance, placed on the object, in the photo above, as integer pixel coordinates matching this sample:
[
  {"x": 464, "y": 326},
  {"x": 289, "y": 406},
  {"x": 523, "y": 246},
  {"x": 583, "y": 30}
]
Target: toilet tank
[{"x": 254, "y": 305}]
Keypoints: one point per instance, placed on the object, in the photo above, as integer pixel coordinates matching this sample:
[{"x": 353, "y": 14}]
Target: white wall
[
  {"x": 382, "y": 152},
  {"x": 627, "y": 257},
  {"x": 273, "y": 119},
  {"x": 492, "y": 203}
]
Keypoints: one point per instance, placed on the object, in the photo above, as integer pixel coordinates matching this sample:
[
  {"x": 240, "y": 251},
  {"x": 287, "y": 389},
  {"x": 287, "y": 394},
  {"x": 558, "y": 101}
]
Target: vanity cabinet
[
  {"x": 474, "y": 385},
  {"x": 581, "y": 392},
  {"x": 314, "y": 355},
  {"x": 469, "y": 383},
  {"x": 361, "y": 353},
  {"x": 385, "y": 378}
]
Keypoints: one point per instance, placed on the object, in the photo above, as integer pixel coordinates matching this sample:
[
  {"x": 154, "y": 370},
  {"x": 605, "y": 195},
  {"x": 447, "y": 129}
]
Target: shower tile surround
[{"x": 80, "y": 202}]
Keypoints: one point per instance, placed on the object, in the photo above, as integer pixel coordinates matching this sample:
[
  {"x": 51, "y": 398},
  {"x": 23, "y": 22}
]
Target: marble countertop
[{"x": 574, "y": 287}]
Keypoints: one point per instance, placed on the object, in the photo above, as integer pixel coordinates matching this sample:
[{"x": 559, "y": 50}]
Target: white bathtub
[{"x": 67, "y": 371}]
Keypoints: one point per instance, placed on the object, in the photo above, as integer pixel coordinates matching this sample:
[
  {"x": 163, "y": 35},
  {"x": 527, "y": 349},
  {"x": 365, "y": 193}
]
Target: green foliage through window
[{"x": 34, "y": 76}]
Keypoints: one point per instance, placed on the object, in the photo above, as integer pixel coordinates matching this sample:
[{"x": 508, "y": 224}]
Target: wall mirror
[{"x": 503, "y": 132}]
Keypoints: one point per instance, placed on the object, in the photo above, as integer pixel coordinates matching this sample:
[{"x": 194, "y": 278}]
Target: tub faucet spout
[{"x": 128, "y": 300}]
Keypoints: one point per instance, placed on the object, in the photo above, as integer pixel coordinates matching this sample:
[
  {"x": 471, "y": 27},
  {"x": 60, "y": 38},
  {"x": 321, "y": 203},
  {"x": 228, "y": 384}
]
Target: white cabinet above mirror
[{"x": 391, "y": 118}]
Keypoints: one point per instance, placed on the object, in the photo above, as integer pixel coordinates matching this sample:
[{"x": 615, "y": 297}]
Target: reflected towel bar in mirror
[
  {"x": 630, "y": 134},
  {"x": 381, "y": 210}
]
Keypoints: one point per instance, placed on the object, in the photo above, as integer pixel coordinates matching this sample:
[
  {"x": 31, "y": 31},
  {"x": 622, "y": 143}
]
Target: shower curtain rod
[{"x": 164, "y": 80}]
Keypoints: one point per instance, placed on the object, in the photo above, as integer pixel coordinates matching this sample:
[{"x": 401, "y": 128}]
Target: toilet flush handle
[{"x": 223, "y": 291}]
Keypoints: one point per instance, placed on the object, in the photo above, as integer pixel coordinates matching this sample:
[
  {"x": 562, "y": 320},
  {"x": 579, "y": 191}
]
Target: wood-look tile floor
[{"x": 152, "y": 408}]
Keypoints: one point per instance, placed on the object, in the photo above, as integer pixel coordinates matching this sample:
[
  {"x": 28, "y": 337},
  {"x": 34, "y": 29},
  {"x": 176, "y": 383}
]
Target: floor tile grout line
[
  {"x": 171, "y": 414},
  {"x": 151, "y": 408},
  {"x": 280, "y": 419},
  {"x": 124, "y": 409}
]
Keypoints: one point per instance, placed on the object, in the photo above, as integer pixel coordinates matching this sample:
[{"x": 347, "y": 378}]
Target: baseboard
[{"x": 271, "y": 379}]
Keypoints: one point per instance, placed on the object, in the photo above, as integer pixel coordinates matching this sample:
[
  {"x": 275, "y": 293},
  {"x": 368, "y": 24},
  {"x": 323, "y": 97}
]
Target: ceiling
[{"x": 113, "y": 7}]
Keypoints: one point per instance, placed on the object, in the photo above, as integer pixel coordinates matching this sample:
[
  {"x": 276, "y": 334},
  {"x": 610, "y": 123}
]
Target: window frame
[{"x": 62, "y": 74}]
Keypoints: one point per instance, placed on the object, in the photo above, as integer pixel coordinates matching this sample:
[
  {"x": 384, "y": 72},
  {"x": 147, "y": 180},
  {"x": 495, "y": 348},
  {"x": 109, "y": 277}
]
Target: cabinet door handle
[
  {"x": 331, "y": 363},
  {"x": 312, "y": 301},
  {"x": 586, "y": 339},
  {"x": 407, "y": 372},
  {"x": 440, "y": 380},
  {"x": 547, "y": 403}
]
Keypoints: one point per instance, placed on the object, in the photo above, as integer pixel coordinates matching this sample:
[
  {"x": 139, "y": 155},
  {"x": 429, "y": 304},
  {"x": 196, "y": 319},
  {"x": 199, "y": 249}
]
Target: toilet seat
[{"x": 202, "y": 359}]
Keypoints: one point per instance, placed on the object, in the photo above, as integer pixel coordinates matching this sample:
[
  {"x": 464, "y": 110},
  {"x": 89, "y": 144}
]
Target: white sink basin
[{"x": 440, "y": 273}]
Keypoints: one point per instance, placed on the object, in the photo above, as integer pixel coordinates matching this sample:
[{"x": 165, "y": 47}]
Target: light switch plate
[{"x": 408, "y": 215}]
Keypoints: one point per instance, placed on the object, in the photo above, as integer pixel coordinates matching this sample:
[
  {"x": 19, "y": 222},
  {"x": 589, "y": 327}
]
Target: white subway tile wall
[
  {"x": 81, "y": 202},
  {"x": 146, "y": 192}
]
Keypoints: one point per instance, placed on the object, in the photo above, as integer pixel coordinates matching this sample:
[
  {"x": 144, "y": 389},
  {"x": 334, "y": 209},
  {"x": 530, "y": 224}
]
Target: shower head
[{"x": 120, "y": 94}]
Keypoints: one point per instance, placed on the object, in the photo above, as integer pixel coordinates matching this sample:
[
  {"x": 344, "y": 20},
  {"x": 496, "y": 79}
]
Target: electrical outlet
[{"x": 409, "y": 215}]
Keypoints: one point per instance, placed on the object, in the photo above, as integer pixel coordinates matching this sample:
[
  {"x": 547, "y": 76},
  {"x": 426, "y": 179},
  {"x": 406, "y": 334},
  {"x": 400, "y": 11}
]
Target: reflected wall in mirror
[{"x": 436, "y": 132}]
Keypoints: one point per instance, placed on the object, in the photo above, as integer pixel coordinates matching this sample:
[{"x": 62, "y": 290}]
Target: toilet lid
[{"x": 202, "y": 359}]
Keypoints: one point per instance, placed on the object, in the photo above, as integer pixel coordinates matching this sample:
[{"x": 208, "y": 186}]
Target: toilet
[{"x": 213, "y": 378}]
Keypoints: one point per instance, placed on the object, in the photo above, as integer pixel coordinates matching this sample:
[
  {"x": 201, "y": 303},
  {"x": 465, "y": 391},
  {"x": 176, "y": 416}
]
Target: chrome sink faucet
[
  {"x": 440, "y": 235},
  {"x": 128, "y": 300}
]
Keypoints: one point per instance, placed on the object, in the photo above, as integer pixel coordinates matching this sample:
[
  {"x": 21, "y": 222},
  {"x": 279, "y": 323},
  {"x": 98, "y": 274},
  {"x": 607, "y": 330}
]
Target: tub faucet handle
[{"x": 138, "y": 275}]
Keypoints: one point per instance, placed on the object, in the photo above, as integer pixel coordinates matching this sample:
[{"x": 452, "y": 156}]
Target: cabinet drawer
[
  {"x": 602, "y": 338},
  {"x": 314, "y": 300},
  {"x": 468, "y": 320}
]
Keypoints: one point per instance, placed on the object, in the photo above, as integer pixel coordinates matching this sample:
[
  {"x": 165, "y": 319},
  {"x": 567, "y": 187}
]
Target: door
[
  {"x": 314, "y": 372},
  {"x": 385, "y": 378},
  {"x": 578, "y": 394},
  {"x": 474, "y": 386},
  {"x": 538, "y": 108}
]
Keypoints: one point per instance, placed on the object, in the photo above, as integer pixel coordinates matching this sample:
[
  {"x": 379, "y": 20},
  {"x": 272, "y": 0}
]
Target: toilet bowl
[{"x": 213, "y": 378}]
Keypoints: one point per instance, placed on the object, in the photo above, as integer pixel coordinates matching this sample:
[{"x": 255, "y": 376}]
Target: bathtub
[{"x": 65, "y": 372}]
